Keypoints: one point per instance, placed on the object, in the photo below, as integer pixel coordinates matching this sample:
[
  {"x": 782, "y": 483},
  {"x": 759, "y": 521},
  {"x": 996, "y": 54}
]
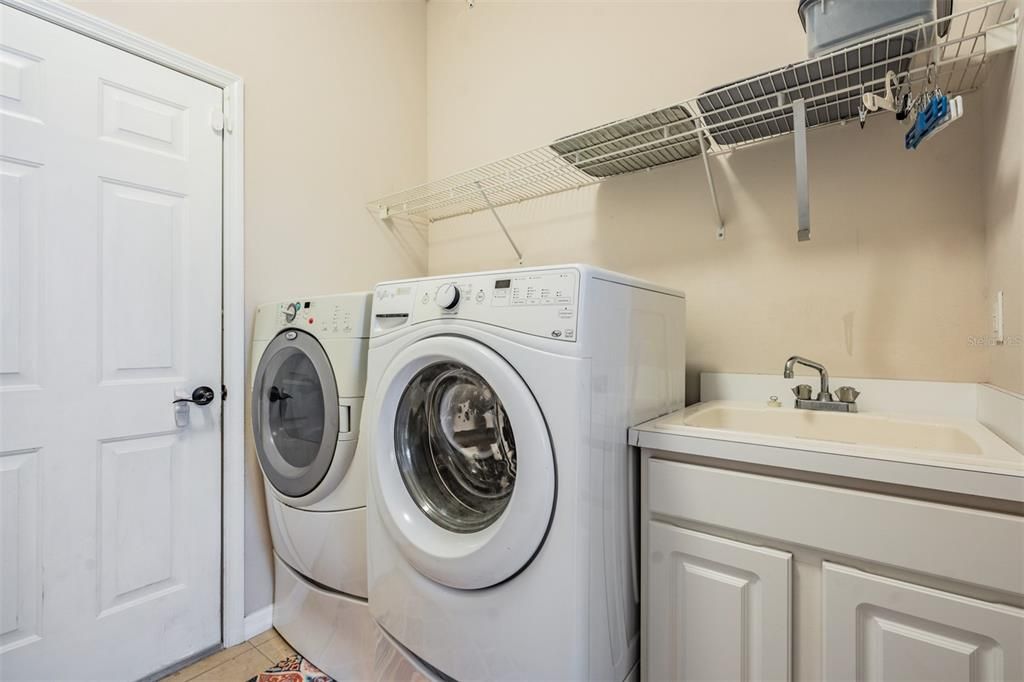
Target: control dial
[
  {"x": 290, "y": 311},
  {"x": 447, "y": 296}
]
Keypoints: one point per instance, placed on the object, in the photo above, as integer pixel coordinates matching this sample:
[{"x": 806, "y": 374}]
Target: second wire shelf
[{"x": 728, "y": 117}]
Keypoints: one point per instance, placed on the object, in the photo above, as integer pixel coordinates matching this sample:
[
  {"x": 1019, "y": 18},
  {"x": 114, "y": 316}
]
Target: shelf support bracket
[
  {"x": 487, "y": 200},
  {"x": 720, "y": 232},
  {"x": 803, "y": 203}
]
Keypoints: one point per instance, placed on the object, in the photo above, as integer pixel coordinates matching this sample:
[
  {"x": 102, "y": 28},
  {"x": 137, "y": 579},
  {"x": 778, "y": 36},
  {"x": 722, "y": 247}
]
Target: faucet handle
[
  {"x": 847, "y": 394},
  {"x": 802, "y": 391}
]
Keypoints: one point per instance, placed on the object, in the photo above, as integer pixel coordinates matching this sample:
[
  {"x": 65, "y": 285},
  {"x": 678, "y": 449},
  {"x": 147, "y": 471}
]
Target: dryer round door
[
  {"x": 295, "y": 413},
  {"x": 464, "y": 469}
]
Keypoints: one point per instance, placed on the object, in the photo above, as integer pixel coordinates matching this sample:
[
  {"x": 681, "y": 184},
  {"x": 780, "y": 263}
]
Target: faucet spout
[{"x": 824, "y": 395}]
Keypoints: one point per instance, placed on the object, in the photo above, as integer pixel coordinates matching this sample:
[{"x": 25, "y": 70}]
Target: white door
[
  {"x": 876, "y": 628},
  {"x": 110, "y": 297},
  {"x": 717, "y": 609}
]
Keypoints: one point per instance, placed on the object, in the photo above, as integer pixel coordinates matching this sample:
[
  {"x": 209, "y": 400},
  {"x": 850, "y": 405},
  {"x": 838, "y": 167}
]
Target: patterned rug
[{"x": 292, "y": 669}]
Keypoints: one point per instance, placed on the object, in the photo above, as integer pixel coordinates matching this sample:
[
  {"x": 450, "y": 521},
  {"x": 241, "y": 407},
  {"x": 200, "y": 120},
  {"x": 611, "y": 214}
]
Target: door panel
[
  {"x": 19, "y": 285},
  {"x": 110, "y": 291},
  {"x": 20, "y": 586},
  {"x": 141, "y": 236},
  {"x": 720, "y": 608},
  {"x": 143, "y": 121},
  {"x": 21, "y": 86},
  {"x": 876, "y": 628},
  {"x": 140, "y": 534}
]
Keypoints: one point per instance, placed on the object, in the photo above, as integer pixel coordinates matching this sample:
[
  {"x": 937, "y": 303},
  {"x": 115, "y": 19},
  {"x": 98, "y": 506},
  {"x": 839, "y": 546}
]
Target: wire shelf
[{"x": 728, "y": 117}]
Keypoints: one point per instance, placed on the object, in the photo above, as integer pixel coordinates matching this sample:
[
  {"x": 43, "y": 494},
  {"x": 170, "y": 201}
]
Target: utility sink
[
  {"x": 858, "y": 429},
  {"x": 935, "y": 440}
]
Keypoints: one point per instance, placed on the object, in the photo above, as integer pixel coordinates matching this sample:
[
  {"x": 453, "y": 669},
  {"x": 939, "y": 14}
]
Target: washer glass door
[
  {"x": 462, "y": 462},
  {"x": 456, "y": 448},
  {"x": 295, "y": 413}
]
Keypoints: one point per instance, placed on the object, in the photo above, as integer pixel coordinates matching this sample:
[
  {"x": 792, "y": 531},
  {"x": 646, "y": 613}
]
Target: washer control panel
[
  {"x": 539, "y": 302},
  {"x": 536, "y": 289},
  {"x": 448, "y": 296}
]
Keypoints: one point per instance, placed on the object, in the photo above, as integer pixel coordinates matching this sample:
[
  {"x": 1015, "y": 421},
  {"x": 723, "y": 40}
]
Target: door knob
[{"x": 201, "y": 396}]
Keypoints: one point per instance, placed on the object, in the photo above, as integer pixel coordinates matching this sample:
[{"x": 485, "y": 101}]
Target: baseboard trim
[{"x": 258, "y": 621}]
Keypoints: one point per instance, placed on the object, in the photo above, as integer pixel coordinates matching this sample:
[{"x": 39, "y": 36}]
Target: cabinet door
[
  {"x": 881, "y": 629},
  {"x": 716, "y": 609}
]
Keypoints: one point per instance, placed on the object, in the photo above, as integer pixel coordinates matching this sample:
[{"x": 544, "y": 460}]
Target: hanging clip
[
  {"x": 936, "y": 116},
  {"x": 873, "y": 102},
  {"x": 862, "y": 111},
  {"x": 935, "y": 111},
  {"x": 904, "y": 99},
  {"x": 903, "y": 107}
]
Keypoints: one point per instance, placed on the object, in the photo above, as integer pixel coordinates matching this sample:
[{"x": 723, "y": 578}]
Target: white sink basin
[
  {"x": 961, "y": 443},
  {"x": 856, "y": 429},
  {"x": 950, "y": 453}
]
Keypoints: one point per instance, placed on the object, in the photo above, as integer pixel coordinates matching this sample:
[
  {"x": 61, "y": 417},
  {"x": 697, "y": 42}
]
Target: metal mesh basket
[
  {"x": 612, "y": 150},
  {"x": 848, "y": 74}
]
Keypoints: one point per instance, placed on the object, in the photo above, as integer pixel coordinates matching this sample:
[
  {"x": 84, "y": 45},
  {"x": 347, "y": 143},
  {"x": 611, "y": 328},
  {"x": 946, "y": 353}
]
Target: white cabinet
[
  {"x": 774, "y": 602},
  {"x": 718, "y": 609},
  {"x": 877, "y": 628}
]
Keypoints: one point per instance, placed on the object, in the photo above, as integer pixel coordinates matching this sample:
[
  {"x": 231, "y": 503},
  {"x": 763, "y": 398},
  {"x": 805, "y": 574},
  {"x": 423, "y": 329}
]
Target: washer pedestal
[
  {"x": 328, "y": 548},
  {"x": 333, "y": 631}
]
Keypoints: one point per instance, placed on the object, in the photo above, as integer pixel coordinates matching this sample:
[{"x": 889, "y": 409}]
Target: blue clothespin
[{"x": 934, "y": 115}]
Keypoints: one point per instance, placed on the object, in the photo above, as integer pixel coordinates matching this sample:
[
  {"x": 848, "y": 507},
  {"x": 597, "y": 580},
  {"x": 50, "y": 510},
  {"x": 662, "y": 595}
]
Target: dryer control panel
[
  {"x": 541, "y": 302},
  {"x": 336, "y": 316}
]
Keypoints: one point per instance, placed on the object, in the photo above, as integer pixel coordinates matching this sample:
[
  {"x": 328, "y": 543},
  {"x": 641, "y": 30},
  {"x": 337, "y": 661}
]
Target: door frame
[{"x": 233, "y": 283}]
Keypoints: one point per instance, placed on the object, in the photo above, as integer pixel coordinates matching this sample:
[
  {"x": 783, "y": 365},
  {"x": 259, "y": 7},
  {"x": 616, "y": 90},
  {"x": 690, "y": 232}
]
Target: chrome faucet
[
  {"x": 824, "y": 394},
  {"x": 824, "y": 400}
]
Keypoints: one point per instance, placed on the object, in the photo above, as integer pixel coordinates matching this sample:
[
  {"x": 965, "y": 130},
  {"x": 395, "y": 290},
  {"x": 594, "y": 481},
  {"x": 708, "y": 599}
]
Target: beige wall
[
  {"x": 1004, "y": 216},
  {"x": 335, "y": 97},
  {"x": 892, "y": 284},
  {"x": 338, "y": 111}
]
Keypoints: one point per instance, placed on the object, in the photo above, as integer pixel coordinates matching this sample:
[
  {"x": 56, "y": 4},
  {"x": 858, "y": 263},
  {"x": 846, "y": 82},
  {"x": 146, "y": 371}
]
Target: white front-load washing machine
[
  {"x": 502, "y": 517},
  {"x": 308, "y": 382}
]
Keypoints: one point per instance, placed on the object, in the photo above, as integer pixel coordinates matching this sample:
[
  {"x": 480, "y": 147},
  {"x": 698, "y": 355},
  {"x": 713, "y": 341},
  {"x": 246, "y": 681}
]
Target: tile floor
[{"x": 239, "y": 663}]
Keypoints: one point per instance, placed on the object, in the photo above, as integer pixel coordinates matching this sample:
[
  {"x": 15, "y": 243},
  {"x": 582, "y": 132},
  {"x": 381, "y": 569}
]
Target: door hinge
[
  {"x": 217, "y": 120},
  {"x": 229, "y": 113},
  {"x": 223, "y": 392}
]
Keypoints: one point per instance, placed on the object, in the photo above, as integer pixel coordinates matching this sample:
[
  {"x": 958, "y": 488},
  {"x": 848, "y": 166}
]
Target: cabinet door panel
[
  {"x": 717, "y": 609},
  {"x": 881, "y": 629}
]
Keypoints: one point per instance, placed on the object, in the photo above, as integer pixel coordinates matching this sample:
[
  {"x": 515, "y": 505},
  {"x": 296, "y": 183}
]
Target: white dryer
[
  {"x": 502, "y": 517},
  {"x": 308, "y": 383}
]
